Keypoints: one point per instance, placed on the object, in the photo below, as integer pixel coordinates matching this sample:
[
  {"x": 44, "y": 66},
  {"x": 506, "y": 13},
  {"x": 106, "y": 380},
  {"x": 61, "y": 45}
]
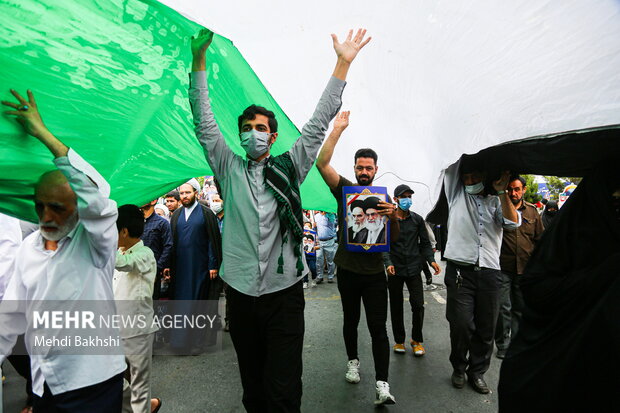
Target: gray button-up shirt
[
  {"x": 475, "y": 224},
  {"x": 251, "y": 239}
]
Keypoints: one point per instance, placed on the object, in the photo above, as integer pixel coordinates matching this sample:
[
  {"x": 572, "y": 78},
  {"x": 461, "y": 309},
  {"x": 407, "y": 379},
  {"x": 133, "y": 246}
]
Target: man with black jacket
[{"x": 405, "y": 261}]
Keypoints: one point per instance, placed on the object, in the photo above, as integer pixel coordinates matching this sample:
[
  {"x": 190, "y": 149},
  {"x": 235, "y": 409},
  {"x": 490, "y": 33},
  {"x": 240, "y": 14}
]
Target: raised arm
[
  {"x": 305, "y": 150},
  {"x": 96, "y": 211},
  {"x": 216, "y": 151},
  {"x": 329, "y": 174},
  {"x": 509, "y": 211}
]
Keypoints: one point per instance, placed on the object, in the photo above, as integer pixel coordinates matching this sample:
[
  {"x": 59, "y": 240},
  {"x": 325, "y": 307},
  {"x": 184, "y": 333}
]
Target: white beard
[
  {"x": 62, "y": 230},
  {"x": 374, "y": 226},
  {"x": 358, "y": 227}
]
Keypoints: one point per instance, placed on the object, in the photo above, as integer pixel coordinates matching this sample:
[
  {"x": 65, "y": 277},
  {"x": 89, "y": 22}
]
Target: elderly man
[
  {"x": 477, "y": 217},
  {"x": 70, "y": 259},
  {"x": 357, "y": 233},
  {"x": 374, "y": 222}
]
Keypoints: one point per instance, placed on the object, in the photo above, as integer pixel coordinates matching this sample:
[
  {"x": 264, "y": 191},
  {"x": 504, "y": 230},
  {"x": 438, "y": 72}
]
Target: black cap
[{"x": 401, "y": 189}]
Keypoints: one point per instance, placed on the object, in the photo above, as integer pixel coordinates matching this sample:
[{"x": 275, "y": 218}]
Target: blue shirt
[{"x": 325, "y": 226}]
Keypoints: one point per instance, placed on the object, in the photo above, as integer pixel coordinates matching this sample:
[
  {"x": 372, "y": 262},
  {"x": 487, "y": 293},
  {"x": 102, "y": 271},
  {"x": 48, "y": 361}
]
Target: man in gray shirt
[
  {"x": 475, "y": 226},
  {"x": 263, "y": 263}
]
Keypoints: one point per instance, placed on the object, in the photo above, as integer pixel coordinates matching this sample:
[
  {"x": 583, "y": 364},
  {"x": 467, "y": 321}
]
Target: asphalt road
[{"x": 210, "y": 382}]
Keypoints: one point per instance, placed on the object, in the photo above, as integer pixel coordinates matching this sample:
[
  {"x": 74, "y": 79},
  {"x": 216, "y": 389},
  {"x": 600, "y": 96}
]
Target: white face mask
[
  {"x": 255, "y": 143},
  {"x": 216, "y": 207},
  {"x": 62, "y": 230},
  {"x": 474, "y": 189}
]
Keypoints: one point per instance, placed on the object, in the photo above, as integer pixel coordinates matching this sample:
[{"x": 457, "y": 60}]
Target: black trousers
[
  {"x": 104, "y": 397},
  {"x": 416, "y": 299},
  {"x": 372, "y": 291},
  {"x": 510, "y": 308},
  {"x": 268, "y": 335},
  {"x": 471, "y": 310}
]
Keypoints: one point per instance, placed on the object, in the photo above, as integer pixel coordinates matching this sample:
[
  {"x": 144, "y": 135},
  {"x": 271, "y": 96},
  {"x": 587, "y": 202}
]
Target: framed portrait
[
  {"x": 366, "y": 230},
  {"x": 309, "y": 241}
]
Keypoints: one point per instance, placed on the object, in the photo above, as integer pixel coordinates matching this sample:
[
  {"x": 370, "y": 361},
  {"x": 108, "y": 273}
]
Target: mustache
[{"x": 49, "y": 224}]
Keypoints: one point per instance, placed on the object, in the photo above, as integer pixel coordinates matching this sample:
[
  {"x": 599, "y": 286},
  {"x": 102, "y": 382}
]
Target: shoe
[
  {"x": 458, "y": 379},
  {"x": 501, "y": 354},
  {"x": 330, "y": 280},
  {"x": 319, "y": 280},
  {"x": 418, "y": 349},
  {"x": 159, "y": 403},
  {"x": 477, "y": 383},
  {"x": 305, "y": 286},
  {"x": 312, "y": 284},
  {"x": 353, "y": 371},
  {"x": 383, "y": 394},
  {"x": 429, "y": 281},
  {"x": 399, "y": 348},
  {"x": 226, "y": 326}
]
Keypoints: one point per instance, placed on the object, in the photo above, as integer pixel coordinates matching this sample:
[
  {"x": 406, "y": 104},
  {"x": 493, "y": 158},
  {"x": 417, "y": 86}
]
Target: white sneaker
[
  {"x": 353, "y": 371},
  {"x": 312, "y": 283},
  {"x": 383, "y": 394},
  {"x": 305, "y": 286}
]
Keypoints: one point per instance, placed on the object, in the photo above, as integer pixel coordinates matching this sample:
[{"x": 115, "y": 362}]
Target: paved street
[{"x": 210, "y": 382}]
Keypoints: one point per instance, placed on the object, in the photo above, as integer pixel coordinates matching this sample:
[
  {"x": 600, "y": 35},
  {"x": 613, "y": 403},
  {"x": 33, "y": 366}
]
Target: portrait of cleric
[{"x": 365, "y": 225}]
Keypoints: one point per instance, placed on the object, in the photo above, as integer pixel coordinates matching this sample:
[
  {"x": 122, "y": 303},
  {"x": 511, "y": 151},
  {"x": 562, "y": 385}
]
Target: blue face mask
[{"x": 405, "y": 203}]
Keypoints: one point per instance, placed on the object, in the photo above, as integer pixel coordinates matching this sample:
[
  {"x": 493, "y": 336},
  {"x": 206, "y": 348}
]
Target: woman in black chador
[{"x": 566, "y": 356}]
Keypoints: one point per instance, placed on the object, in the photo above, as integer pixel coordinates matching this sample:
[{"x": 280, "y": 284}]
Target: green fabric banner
[{"x": 111, "y": 79}]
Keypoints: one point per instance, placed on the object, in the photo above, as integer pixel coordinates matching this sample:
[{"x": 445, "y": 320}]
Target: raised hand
[
  {"x": 348, "y": 49},
  {"x": 27, "y": 114},
  {"x": 502, "y": 183},
  {"x": 341, "y": 121},
  {"x": 201, "y": 42}
]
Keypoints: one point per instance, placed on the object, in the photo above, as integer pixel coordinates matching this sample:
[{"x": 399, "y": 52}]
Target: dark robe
[
  {"x": 197, "y": 249},
  {"x": 566, "y": 355},
  {"x": 547, "y": 217}
]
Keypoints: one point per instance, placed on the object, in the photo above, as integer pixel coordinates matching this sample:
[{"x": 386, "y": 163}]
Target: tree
[
  {"x": 531, "y": 195},
  {"x": 556, "y": 185}
]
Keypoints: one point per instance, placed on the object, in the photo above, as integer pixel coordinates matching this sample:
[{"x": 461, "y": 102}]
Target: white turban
[
  {"x": 194, "y": 184},
  {"x": 163, "y": 208}
]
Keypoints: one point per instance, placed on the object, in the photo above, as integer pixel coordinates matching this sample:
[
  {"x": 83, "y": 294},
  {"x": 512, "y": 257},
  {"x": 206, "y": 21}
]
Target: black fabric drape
[{"x": 566, "y": 356}]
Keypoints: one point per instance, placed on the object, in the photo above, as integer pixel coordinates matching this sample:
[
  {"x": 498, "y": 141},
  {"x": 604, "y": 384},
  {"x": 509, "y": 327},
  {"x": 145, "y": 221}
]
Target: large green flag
[{"x": 111, "y": 79}]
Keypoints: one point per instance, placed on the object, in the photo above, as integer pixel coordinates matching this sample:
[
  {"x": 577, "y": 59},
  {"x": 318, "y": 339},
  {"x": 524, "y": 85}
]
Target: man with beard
[
  {"x": 517, "y": 246},
  {"x": 196, "y": 256},
  {"x": 374, "y": 221},
  {"x": 361, "y": 275},
  {"x": 357, "y": 233},
  {"x": 69, "y": 259},
  {"x": 158, "y": 238},
  {"x": 263, "y": 262},
  {"x": 173, "y": 201}
]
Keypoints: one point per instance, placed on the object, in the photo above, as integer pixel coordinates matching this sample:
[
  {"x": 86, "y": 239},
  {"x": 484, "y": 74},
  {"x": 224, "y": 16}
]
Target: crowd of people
[{"x": 244, "y": 235}]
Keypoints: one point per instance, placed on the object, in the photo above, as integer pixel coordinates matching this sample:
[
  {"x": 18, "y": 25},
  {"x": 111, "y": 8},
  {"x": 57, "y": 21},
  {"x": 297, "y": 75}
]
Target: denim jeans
[{"x": 327, "y": 252}]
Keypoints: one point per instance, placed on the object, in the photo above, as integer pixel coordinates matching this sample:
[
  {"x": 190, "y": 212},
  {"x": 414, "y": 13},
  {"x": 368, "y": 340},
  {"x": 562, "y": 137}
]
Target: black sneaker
[
  {"x": 501, "y": 354},
  {"x": 319, "y": 281}
]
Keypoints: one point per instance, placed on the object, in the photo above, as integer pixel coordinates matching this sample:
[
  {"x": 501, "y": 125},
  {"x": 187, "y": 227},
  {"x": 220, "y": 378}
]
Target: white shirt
[
  {"x": 79, "y": 269},
  {"x": 188, "y": 211},
  {"x": 10, "y": 240},
  {"x": 475, "y": 224},
  {"x": 134, "y": 280}
]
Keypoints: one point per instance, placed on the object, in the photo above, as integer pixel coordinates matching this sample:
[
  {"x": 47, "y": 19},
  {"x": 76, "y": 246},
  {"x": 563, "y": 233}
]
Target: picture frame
[{"x": 366, "y": 230}]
